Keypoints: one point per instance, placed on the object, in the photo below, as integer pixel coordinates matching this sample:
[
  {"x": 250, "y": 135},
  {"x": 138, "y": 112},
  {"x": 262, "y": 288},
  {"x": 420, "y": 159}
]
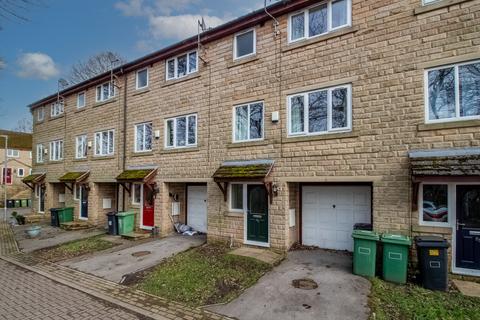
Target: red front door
[
  {"x": 148, "y": 207},
  {"x": 7, "y": 177}
]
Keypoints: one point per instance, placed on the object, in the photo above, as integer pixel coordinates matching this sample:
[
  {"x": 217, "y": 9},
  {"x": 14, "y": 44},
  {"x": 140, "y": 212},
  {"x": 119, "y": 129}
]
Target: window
[
  {"x": 453, "y": 92},
  {"x": 77, "y": 192},
  {"x": 248, "y": 122},
  {"x": 41, "y": 114},
  {"x": 105, "y": 91},
  {"x": 427, "y": 2},
  {"x": 320, "y": 19},
  {"x": 181, "y": 132},
  {"x": 137, "y": 194},
  {"x": 81, "y": 100},
  {"x": 142, "y": 79},
  {"x": 12, "y": 153},
  {"x": 56, "y": 109},
  {"x": 434, "y": 204},
  {"x": 30, "y": 154},
  {"x": 56, "y": 150},
  {"x": 143, "y": 137},
  {"x": 20, "y": 172},
  {"x": 104, "y": 142},
  {"x": 40, "y": 152},
  {"x": 181, "y": 66},
  {"x": 37, "y": 190},
  {"x": 245, "y": 44},
  {"x": 319, "y": 112},
  {"x": 236, "y": 197},
  {"x": 81, "y": 147}
]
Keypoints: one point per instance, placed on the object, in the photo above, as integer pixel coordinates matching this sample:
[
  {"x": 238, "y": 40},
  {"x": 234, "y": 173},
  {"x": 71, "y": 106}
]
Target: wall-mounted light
[
  {"x": 275, "y": 190},
  {"x": 275, "y": 116},
  {"x": 89, "y": 144},
  {"x": 157, "y": 134}
]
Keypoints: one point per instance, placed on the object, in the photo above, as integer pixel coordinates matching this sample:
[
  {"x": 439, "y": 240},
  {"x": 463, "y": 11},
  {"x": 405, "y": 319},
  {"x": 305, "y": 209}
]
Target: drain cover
[
  {"x": 140, "y": 254},
  {"x": 305, "y": 284}
]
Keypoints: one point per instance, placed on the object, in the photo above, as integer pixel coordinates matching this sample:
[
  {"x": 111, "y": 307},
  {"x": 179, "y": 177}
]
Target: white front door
[
  {"x": 197, "y": 208},
  {"x": 329, "y": 213}
]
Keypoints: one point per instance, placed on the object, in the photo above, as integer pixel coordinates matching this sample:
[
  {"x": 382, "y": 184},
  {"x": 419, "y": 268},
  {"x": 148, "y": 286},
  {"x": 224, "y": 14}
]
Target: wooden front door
[
  {"x": 84, "y": 203},
  {"x": 148, "y": 212},
  {"x": 257, "y": 213},
  {"x": 468, "y": 227}
]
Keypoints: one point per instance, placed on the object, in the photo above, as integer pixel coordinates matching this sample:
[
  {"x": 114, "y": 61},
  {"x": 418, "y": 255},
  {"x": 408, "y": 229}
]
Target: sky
[{"x": 59, "y": 33}]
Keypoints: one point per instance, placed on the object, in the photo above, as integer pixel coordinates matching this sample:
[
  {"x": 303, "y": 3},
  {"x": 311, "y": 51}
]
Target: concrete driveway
[
  {"x": 340, "y": 294},
  {"x": 114, "y": 265}
]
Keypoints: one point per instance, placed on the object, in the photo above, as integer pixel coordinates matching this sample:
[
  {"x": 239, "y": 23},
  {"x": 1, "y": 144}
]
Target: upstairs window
[
  {"x": 182, "y": 66},
  {"x": 142, "y": 79},
  {"x": 40, "y": 152},
  {"x": 104, "y": 143},
  {"x": 105, "y": 91},
  {"x": 56, "y": 109},
  {"x": 453, "y": 93},
  {"x": 143, "y": 137},
  {"x": 81, "y": 147},
  {"x": 81, "y": 100},
  {"x": 56, "y": 150},
  {"x": 245, "y": 44},
  {"x": 41, "y": 114},
  {"x": 319, "y": 112},
  {"x": 248, "y": 122},
  {"x": 320, "y": 19},
  {"x": 181, "y": 132},
  {"x": 427, "y": 2},
  {"x": 12, "y": 153}
]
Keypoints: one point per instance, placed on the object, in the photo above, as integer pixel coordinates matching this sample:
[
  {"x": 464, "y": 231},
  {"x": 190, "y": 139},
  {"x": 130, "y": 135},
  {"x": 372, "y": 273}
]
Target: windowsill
[
  {"x": 326, "y": 136},
  {"x": 333, "y": 34},
  {"x": 432, "y": 229},
  {"x": 56, "y": 117},
  {"x": 102, "y": 158},
  {"x": 436, "y": 6},
  {"x": 192, "y": 76},
  {"x": 180, "y": 150},
  {"x": 39, "y": 121},
  {"x": 101, "y": 103},
  {"x": 54, "y": 162},
  {"x": 80, "y": 110},
  {"x": 242, "y": 61},
  {"x": 449, "y": 125},
  {"x": 80, "y": 160},
  {"x": 245, "y": 144},
  {"x": 234, "y": 214},
  {"x": 140, "y": 91},
  {"x": 142, "y": 154}
]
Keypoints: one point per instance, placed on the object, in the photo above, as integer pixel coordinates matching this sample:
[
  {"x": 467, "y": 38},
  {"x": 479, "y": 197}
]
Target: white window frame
[
  {"x": 40, "y": 153},
  {"x": 111, "y": 94},
  {"x": 37, "y": 191},
  {"x": 80, "y": 106},
  {"x": 457, "y": 117},
  {"x": 54, "y": 145},
  {"x": 307, "y": 21},
  {"x": 187, "y": 145},
  {"x": 76, "y": 188},
  {"x": 429, "y": 2},
  {"x": 18, "y": 172},
  {"x": 137, "y": 87},
  {"x": 13, "y": 153},
  {"x": 57, "y": 109},
  {"x": 134, "y": 186},
  {"x": 235, "y": 57},
  {"x": 175, "y": 59},
  {"x": 84, "y": 148},
  {"x": 330, "y": 130},
  {"x": 102, "y": 154},
  {"x": 136, "y": 147},
  {"x": 451, "y": 203},
  {"x": 234, "y": 126},
  {"x": 230, "y": 194},
  {"x": 40, "y": 114}
]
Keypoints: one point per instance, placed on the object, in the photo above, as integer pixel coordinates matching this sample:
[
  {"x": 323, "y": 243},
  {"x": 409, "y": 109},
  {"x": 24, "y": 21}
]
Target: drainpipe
[
  {"x": 5, "y": 178},
  {"x": 124, "y": 164}
]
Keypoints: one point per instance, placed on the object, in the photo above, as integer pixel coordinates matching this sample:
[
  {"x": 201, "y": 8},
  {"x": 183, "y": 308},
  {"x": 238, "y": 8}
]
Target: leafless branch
[{"x": 95, "y": 65}]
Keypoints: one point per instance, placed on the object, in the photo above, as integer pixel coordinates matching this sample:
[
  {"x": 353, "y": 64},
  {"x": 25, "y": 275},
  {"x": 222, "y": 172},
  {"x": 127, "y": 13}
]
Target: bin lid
[
  {"x": 431, "y": 242},
  {"x": 365, "y": 234},
  {"x": 125, "y": 214},
  {"x": 396, "y": 239},
  {"x": 112, "y": 213}
]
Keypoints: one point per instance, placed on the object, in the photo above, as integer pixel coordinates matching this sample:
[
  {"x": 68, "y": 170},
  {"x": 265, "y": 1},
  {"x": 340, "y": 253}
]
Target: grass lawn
[
  {"x": 74, "y": 249},
  {"x": 203, "y": 276},
  {"x": 390, "y": 301}
]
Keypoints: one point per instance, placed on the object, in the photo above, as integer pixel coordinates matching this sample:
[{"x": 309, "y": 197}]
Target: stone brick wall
[{"x": 17, "y": 189}]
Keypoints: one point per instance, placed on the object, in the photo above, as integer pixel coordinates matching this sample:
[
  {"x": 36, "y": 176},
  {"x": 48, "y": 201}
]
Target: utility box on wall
[{"x": 175, "y": 208}]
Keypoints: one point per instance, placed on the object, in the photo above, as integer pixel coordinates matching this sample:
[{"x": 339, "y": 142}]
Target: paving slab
[
  {"x": 339, "y": 295},
  {"x": 468, "y": 288},
  {"x": 263, "y": 255},
  {"x": 114, "y": 265}
]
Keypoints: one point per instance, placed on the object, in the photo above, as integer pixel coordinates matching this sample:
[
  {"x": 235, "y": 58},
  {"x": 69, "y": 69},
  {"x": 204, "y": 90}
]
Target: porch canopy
[
  {"x": 136, "y": 175},
  {"x": 244, "y": 171},
  {"x": 73, "y": 177},
  {"x": 33, "y": 179}
]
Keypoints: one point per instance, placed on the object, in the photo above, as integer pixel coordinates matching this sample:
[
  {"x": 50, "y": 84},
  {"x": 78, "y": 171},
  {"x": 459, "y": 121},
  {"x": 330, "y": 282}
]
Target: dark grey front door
[
  {"x": 468, "y": 227},
  {"x": 257, "y": 214},
  {"x": 41, "y": 197},
  {"x": 84, "y": 203}
]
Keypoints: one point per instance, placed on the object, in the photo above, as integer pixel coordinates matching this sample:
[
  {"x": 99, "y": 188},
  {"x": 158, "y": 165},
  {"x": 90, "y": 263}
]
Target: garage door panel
[{"x": 197, "y": 208}]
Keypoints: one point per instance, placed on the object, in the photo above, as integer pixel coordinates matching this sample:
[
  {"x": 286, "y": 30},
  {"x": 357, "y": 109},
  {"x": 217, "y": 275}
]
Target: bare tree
[
  {"x": 95, "y": 65},
  {"x": 24, "y": 125}
]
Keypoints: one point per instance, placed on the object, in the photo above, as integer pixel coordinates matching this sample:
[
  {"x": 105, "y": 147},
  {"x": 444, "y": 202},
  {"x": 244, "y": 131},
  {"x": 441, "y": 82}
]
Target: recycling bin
[
  {"x": 54, "y": 222},
  {"x": 395, "y": 257},
  {"x": 112, "y": 220},
  {"x": 18, "y": 203},
  {"x": 10, "y": 203},
  {"x": 24, "y": 203},
  {"x": 65, "y": 215},
  {"x": 433, "y": 262},
  {"x": 126, "y": 222},
  {"x": 365, "y": 252}
]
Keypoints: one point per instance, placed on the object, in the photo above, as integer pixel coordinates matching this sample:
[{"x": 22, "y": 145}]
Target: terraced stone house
[{"x": 284, "y": 127}]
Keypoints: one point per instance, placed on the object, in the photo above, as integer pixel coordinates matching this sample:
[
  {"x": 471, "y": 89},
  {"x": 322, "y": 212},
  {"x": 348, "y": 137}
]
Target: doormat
[{"x": 304, "y": 284}]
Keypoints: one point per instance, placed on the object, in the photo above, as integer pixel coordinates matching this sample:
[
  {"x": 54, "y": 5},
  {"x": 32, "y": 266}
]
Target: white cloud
[
  {"x": 37, "y": 65},
  {"x": 2, "y": 64},
  {"x": 153, "y": 7},
  {"x": 179, "y": 27}
]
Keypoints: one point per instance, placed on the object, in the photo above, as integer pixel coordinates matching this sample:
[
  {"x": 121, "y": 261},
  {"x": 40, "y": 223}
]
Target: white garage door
[
  {"x": 329, "y": 213},
  {"x": 197, "y": 208}
]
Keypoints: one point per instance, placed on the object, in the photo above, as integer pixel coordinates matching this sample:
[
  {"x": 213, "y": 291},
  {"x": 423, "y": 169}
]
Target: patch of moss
[
  {"x": 247, "y": 171},
  {"x": 134, "y": 174},
  {"x": 32, "y": 177},
  {"x": 71, "y": 176}
]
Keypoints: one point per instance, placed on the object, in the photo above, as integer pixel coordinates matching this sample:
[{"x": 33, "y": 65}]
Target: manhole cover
[
  {"x": 141, "y": 253},
  {"x": 305, "y": 284}
]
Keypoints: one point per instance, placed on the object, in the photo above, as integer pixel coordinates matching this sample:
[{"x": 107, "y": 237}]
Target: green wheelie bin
[
  {"x": 395, "y": 257},
  {"x": 126, "y": 222},
  {"x": 365, "y": 252},
  {"x": 65, "y": 215}
]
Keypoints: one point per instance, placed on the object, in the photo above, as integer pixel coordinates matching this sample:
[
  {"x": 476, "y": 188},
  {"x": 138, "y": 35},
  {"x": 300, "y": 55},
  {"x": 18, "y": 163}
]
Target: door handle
[{"x": 460, "y": 225}]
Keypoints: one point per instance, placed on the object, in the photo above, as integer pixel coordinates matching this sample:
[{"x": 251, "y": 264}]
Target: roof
[
  {"x": 243, "y": 170},
  {"x": 445, "y": 162},
  {"x": 259, "y": 16},
  {"x": 16, "y": 140},
  {"x": 460, "y": 152},
  {"x": 142, "y": 175},
  {"x": 34, "y": 178},
  {"x": 74, "y": 176}
]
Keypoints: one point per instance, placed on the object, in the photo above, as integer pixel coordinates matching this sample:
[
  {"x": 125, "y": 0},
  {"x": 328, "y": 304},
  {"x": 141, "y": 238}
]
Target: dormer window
[{"x": 182, "y": 65}]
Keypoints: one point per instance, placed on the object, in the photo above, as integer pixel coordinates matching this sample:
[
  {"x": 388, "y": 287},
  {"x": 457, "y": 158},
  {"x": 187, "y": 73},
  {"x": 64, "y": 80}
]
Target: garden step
[
  {"x": 76, "y": 225},
  {"x": 263, "y": 255},
  {"x": 468, "y": 288},
  {"x": 136, "y": 236}
]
